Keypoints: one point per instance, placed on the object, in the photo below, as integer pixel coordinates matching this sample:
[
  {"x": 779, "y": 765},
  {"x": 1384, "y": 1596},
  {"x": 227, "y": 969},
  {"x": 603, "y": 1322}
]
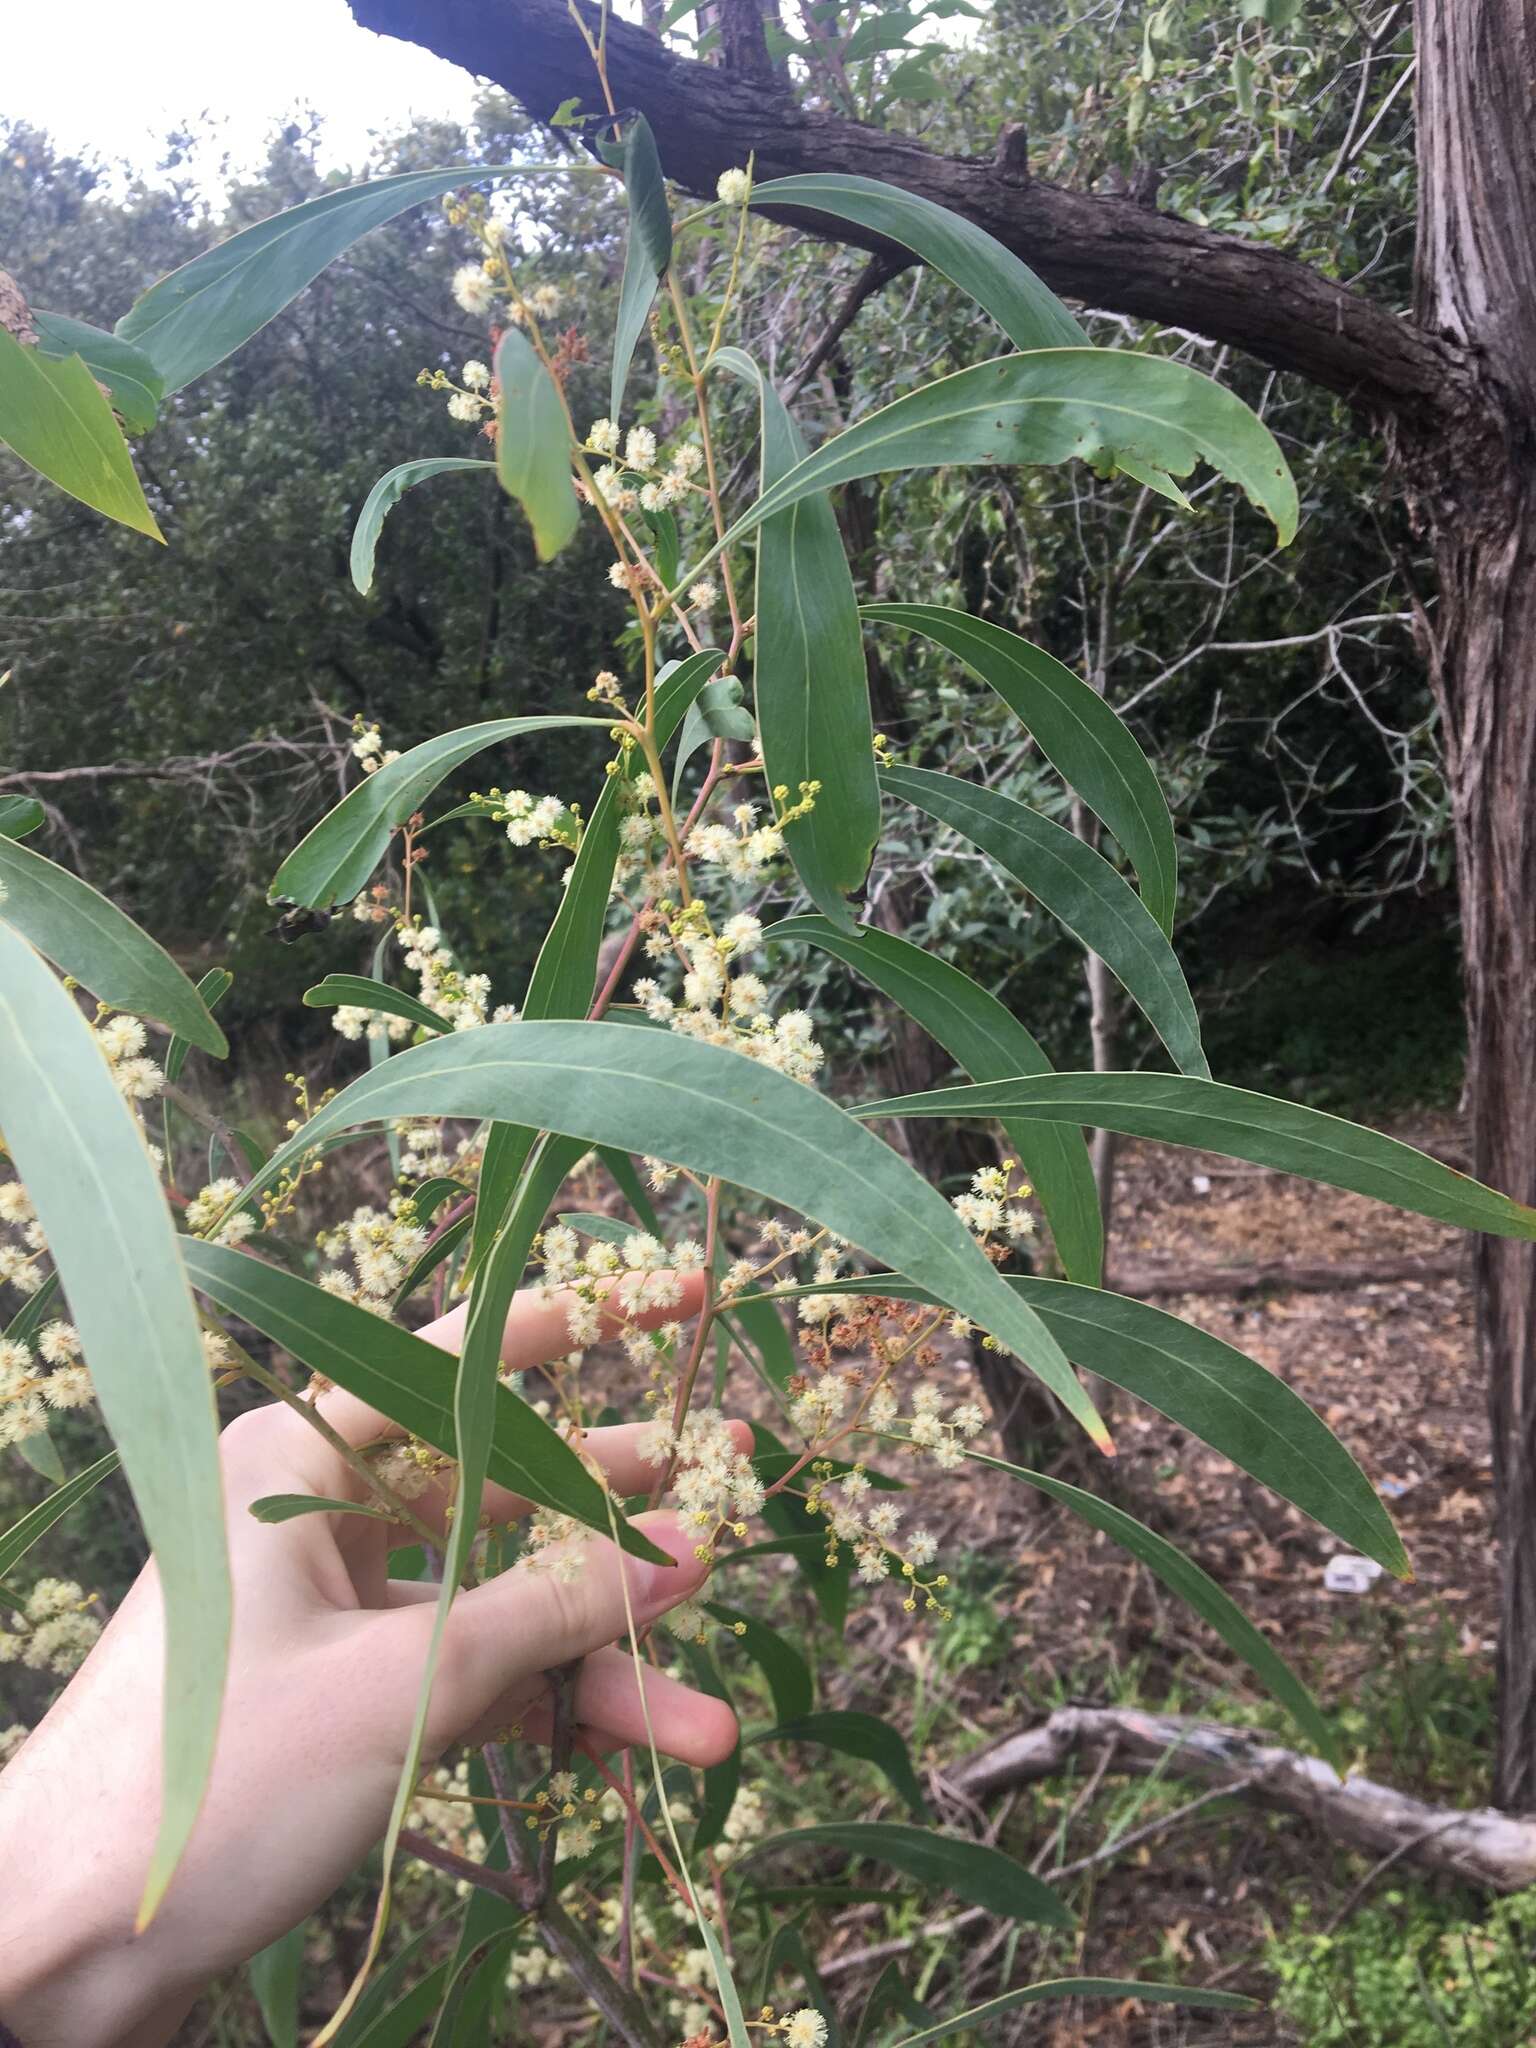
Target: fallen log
[
  {"x": 1283, "y": 1276},
  {"x": 1480, "y": 1846}
]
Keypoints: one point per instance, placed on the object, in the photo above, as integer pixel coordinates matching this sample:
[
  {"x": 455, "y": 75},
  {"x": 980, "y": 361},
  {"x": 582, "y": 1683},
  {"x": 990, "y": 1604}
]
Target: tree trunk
[{"x": 1477, "y": 491}]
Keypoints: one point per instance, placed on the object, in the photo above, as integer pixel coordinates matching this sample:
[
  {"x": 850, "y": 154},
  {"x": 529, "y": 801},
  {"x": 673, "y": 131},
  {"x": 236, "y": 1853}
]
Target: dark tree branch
[{"x": 1105, "y": 250}]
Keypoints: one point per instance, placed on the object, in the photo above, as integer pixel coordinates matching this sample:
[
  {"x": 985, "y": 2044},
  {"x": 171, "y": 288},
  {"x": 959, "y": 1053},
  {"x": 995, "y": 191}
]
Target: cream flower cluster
[
  {"x": 209, "y": 1204},
  {"x": 122, "y": 1040},
  {"x": 56, "y": 1631},
  {"x": 19, "y": 1260},
  {"x": 368, "y": 747},
  {"x": 992, "y": 1204},
  {"x": 641, "y": 476},
  {"x": 381, "y": 1245},
  {"x": 531, "y": 818},
  {"x": 722, "y": 1004},
  {"x": 27, "y": 1391},
  {"x": 461, "y": 1000}
]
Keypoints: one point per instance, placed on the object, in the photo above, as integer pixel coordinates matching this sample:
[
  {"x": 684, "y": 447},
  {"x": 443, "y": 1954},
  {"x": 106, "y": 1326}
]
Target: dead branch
[{"x": 1480, "y": 1846}]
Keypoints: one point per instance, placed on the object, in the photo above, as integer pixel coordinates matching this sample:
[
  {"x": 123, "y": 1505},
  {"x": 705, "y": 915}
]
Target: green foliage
[
  {"x": 1411, "y": 1971},
  {"x": 53, "y": 415}
]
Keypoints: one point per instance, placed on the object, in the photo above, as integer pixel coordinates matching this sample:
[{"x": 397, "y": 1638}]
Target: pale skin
[{"x": 324, "y": 1670}]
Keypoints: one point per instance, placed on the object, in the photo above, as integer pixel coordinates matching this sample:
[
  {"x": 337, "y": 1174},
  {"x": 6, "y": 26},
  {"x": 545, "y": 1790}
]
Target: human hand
[{"x": 325, "y": 1666}]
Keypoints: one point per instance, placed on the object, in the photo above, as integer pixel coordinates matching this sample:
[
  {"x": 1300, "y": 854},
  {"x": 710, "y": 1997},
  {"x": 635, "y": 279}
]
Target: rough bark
[
  {"x": 1477, "y": 492},
  {"x": 1106, "y": 249},
  {"x": 1478, "y": 1846},
  {"x": 1455, "y": 388}
]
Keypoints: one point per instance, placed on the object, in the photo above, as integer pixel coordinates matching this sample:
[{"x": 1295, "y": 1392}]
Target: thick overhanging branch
[{"x": 1107, "y": 251}]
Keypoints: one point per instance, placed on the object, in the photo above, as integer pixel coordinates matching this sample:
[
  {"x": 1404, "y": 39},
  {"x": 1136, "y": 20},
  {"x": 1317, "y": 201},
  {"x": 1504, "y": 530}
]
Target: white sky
[{"x": 104, "y": 85}]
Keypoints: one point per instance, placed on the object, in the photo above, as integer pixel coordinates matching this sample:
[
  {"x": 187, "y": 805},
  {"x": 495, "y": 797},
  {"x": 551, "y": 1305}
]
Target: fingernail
[{"x": 656, "y": 1586}]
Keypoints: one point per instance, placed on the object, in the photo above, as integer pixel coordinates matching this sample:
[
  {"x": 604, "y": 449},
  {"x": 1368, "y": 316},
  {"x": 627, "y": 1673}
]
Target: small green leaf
[
  {"x": 333, "y": 861},
  {"x": 977, "y": 2016},
  {"x": 361, "y": 991},
  {"x": 212, "y": 988},
  {"x": 81, "y": 1154},
  {"x": 129, "y": 375},
  {"x": 1179, "y": 1109},
  {"x": 647, "y": 254},
  {"x": 36, "y": 1522},
  {"x": 973, "y": 1871},
  {"x": 985, "y": 1038},
  {"x": 1074, "y": 884},
  {"x": 1029, "y": 313},
  {"x": 402, "y": 1376},
  {"x": 53, "y": 415},
  {"x": 20, "y": 815},
  {"x": 809, "y": 675},
  {"x": 1199, "y": 1591},
  {"x": 1087, "y": 743},
  {"x": 854, "y": 1734},
  {"x": 287, "y": 1507},
  {"x": 787, "y": 1673},
  {"x": 713, "y": 1110},
  {"x": 275, "y": 1975},
  {"x": 89, "y": 938},
  {"x": 383, "y": 498},
  {"x": 533, "y": 444}
]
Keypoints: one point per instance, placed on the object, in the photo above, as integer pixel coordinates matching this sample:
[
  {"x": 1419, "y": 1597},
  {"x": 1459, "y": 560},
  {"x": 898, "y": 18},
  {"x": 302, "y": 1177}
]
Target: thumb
[{"x": 547, "y": 1611}]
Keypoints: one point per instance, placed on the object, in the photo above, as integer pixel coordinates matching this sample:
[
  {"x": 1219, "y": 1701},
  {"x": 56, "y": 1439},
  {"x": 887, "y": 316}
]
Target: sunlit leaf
[
  {"x": 533, "y": 444},
  {"x": 53, "y": 415},
  {"x": 83, "y": 1159}
]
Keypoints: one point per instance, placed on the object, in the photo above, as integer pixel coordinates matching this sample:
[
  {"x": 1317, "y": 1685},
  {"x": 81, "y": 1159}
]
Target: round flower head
[
  {"x": 472, "y": 289},
  {"x": 733, "y": 186}
]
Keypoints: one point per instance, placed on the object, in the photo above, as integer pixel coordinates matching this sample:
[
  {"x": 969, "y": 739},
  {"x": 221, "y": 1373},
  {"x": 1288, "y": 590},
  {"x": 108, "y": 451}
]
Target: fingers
[
  {"x": 609, "y": 1713},
  {"x": 505, "y": 1634},
  {"x": 535, "y": 1332}
]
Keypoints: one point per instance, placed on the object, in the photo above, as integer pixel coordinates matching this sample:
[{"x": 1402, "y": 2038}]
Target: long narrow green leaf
[
  {"x": 53, "y": 415},
  {"x": 787, "y": 1673},
  {"x": 533, "y": 444},
  {"x": 564, "y": 975},
  {"x": 361, "y": 991},
  {"x": 82, "y": 1156},
  {"x": 275, "y": 1976},
  {"x": 1087, "y": 743},
  {"x": 647, "y": 253},
  {"x": 1178, "y": 1109},
  {"x": 333, "y": 861},
  {"x": 809, "y": 674},
  {"x": 212, "y": 988},
  {"x": 973, "y": 1871},
  {"x": 132, "y": 379},
  {"x": 1217, "y": 1393},
  {"x": 36, "y": 1522},
  {"x": 1050, "y": 406},
  {"x": 713, "y": 1110},
  {"x": 90, "y": 939},
  {"x": 192, "y": 319},
  {"x": 1076, "y": 885},
  {"x": 402, "y": 1376},
  {"x": 1198, "y": 1590},
  {"x": 985, "y": 1038},
  {"x": 1027, "y": 310},
  {"x": 385, "y": 496},
  {"x": 978, "y": 2016},
  {"x": 854, "y": 1734}
]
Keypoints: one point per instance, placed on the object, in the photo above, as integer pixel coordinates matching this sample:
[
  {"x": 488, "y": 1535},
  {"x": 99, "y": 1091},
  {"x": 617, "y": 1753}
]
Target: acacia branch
[{"x": 1104, "y": 249}]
